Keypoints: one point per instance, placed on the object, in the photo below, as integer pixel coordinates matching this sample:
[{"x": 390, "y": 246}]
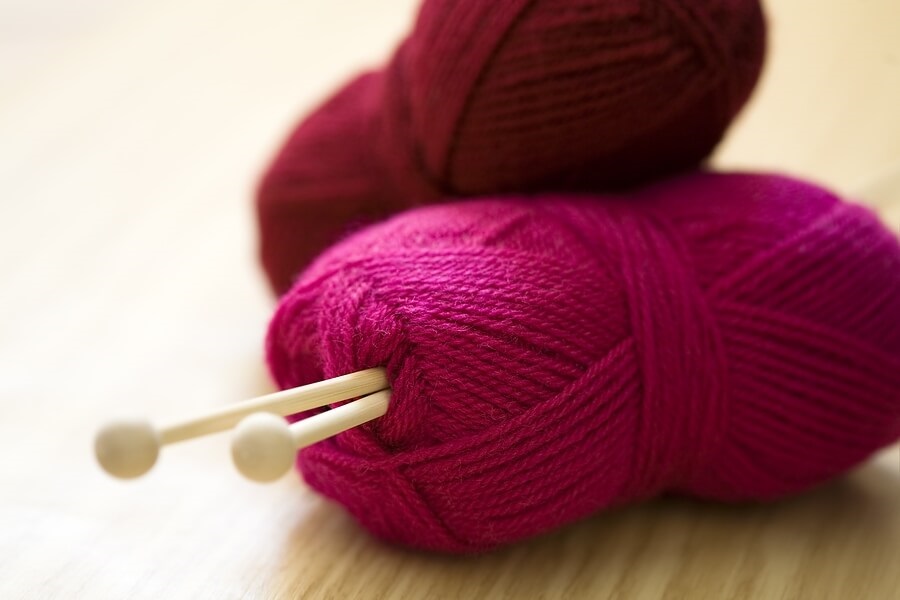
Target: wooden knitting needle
[
  {"x": 264, "y": 445},
  {"x": 129, "y": 448}
]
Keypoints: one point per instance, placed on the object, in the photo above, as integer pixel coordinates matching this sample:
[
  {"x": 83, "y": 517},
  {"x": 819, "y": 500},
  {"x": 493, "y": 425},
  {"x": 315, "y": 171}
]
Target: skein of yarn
[
  {"x": 731, "y": 337},
  {"x": 512, "y": 96}
]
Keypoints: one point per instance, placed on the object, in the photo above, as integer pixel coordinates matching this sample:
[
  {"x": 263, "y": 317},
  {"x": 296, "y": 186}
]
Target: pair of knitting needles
[{"x": 264, "y": 445}]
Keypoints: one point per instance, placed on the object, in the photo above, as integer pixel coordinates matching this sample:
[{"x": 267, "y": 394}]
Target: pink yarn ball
[{"x": 729, "y": 337}]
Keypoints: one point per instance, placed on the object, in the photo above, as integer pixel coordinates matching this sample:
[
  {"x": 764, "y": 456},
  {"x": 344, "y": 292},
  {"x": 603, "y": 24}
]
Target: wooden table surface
[{"x": 131, "y": 134}]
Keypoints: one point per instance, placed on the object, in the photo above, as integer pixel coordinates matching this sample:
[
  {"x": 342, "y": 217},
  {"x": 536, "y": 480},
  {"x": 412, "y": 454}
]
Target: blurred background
[{"x": 132, "y": 134}]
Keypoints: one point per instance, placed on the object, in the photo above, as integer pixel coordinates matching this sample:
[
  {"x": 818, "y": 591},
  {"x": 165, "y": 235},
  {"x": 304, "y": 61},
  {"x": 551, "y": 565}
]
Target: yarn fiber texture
[
  {"x": 730, "y": 337},
  {"x": 512, "y": 96}
]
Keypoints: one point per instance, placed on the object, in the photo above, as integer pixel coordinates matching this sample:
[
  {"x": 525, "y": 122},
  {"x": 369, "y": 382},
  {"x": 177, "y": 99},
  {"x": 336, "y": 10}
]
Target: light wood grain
[{"x": 131, "y": 134}]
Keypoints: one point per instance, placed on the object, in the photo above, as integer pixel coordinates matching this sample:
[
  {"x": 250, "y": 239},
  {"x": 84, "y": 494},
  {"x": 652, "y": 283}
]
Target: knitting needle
[
  {"x": 264, "y": 445},
  {"x": 129, "y": 448}
]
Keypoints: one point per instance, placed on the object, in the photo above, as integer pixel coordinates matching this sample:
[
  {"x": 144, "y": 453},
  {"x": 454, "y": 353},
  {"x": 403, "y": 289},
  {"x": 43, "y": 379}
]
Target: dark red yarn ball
[{"x": 512, "y": 96}]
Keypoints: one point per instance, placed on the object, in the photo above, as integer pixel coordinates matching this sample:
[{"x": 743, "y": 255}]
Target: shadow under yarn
[{"x": 665, "y": 544}]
